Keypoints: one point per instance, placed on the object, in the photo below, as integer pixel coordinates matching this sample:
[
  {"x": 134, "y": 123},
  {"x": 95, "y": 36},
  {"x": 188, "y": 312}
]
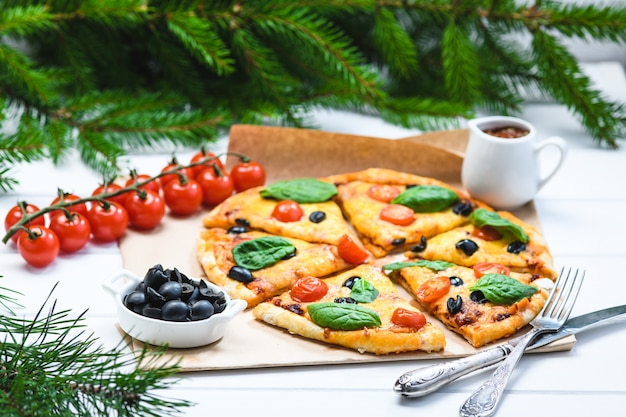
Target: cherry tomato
[
  {"x": 145, "y": 209},
  {"x": 68, "y": 197},
  {"x": 108, "y": 221},
  {"x": 350, "y": 251},
  {"x": 170, "y": 177},
  {"x": 487, "y": 233},
  {"x": 408, "y": 318},
  {"x": 73, "y": 231},
  {"x": 39, "y": 247},
  {"x": 287, "y": 211},
  {"x": 397, "y": 214},
  {"x": 247, "y": 174},
  {"x": 182, "y": 198},
  {"x": 308, "y": 289},
  {"x": 490, "y": 268},
  {"x": 202, "y": 155},
  {"x": 433, "y": 289},
  {"x": 154, "y": 185},
  {"x": 15, "y": 214},
  {"x": 383, "y": 192},
  {"x": 111, "y": 188},
  {"x": 216, "y": 186}
]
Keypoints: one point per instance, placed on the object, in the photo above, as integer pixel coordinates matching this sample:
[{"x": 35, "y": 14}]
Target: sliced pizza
[
  {"x": 358, "y": 309},
  {"x": 483, "y": 304},
  {"x": 497, "y": 237},
  {"x": 253, "y": 265}
]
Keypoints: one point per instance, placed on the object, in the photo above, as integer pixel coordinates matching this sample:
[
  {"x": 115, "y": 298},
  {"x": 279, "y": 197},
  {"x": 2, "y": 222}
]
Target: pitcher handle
[{"x": 561, "y": 145}]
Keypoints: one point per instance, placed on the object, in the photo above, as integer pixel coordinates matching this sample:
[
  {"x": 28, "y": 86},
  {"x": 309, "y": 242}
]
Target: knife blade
[{"x": 422, "y": 381}]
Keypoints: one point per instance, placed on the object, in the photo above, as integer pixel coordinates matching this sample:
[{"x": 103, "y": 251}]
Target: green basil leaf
[
  {"x": 363, "y": 291},
  {"x": 262, "y": 252},
  {"x": 343, "y": 316},
  {"x": 301, "y": 190},
  {"x": 483, "y": 217},
  {"x": 502, "y": 289},
  {"x": 434, "y": 265},
  {"x": 426, "y": 198}
]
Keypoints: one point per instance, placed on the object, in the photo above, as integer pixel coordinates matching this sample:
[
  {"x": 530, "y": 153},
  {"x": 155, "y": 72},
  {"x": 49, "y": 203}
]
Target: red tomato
[
  {"x": 39, "y": 247},
  {"x": 408, "y": 318},
  {"x": 287, "y": 211},
  {"x": 108, "y": 221},
  {"x": 487, "y": 233},
  {"x": 182, "y": 199},
  {"x": 247, "y": 174},
  {"x": 180, "y": 171},
  {"x": 350, "y": 251},
  {"x": 73, "y": 231},
  {"x": 111, "y": 188},
  {"x": 15, "y": 214},
  {"x": 490, "y": 268},
  {"x": 145, "y": 209},
  {"x": 433, "y": 289},
  {"x": 216, "y": 187},
  {"x": 153, "y": 185},
  {"x": 308, "y": 289},
  {"x": 397, "y": 214},
  {"x": 384, "y": 193},
  {"x": 66, "y": 198},
  {"x": 204, "y": 155}
]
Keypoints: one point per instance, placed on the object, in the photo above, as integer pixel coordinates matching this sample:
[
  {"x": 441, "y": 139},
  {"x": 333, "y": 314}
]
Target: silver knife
[{"x": 425, "y": 380}]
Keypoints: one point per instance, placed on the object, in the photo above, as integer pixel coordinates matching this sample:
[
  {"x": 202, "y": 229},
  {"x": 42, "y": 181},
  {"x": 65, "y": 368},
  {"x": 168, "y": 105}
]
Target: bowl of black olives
[{"x": 168, "y": 307}]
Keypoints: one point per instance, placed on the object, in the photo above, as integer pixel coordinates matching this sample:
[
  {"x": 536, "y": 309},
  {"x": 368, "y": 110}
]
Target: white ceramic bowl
[{"x": 159, "y": 332}]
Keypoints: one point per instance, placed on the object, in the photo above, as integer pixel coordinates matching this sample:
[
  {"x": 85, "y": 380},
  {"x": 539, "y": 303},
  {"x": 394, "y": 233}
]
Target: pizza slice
[
  {"x": 483, "y": 304},
  {"x": 253, "y": 265},
  {"x": 497, "y": 237},
  {"x": 359, "y": 309},
  {"x": 393, "y": 211}
]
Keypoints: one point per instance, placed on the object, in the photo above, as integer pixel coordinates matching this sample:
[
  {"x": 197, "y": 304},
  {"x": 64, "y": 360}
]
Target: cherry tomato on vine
[
  {"x": 433, "y": 289},
  {"x": 483, "y": 268},
  {"x": 39, "y": 247},
  {"x": 111, "y": 188},
  {"x": 154, "y": 185},
  {"x": 170, "y": 177},
  {"x": 16, "y": 214},
  {"x": 73, "y": 231},
  {"x": 308, "y": 289},
  {"x": 247, "y": 174},
  {"x": 145, "y": 209},
  {"x": 408, "y": 318},
  {"x": 383, "y": 192},
  {"x": 202, "y": 155},
  {"x": 287, "y": 211},
  {"x": 350, "y": 251},
  {"x": 183, "y": 198},
  {"x": 397, "y": 214},
  {"x": 216, "y": 186},
  {"x": 108, "y": 221},
  {"x": 69, "y": 197}
]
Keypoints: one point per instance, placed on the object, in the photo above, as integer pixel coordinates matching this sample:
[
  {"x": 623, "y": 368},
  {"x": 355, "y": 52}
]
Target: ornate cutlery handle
[{"x": 423, "y": 381}]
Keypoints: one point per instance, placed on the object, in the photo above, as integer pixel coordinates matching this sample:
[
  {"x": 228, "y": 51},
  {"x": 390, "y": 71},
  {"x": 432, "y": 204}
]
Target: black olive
[
  {"x": 347, "y": 300},
  {"x": 289, "y": 255},
  {"x": 141, "y": 287},
  {"x": 171, "y": 290},
  {"x": 242, "y": 222},
  {"x": 241, "y": 274},
  {"x": 516, "y": 247},
  {"x": 398, "y": 241},
  {"x": 135, "y": 298},
  {"x": 174, "y": 310},
  {"x": 235, "y": 230},
  {"x": 155, "y": 297},
  {"x": 456, "y": 281},
  {"x": 419, "y": 247},
  {"x": 467, "y": 246},
  {"x": 151, "y": 311},
  {"x": 155, "y": 278},
  {"x": 463, "y": 208},
  {"x": 219, "y": 305},
  {"x": 478, "y": 297},
  {"x": 210, "y": 295},
  {"x": 350, "y": 281},
  {"x": 187, "y": 292},
  {"x": 317, "y": 216},
  {"x": 454, "y": 304},
  {"x": 201, "y": 309}
]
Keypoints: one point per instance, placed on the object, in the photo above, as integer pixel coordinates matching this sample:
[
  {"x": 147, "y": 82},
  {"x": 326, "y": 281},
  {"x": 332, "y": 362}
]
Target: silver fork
[{"x": 558, "y": 306}]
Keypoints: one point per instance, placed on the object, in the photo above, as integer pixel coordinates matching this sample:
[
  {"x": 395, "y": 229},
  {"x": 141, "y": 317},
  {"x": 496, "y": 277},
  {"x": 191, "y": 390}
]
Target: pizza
[
  {"x": 359, "y": 309},
  {"x": 262, "y": 243}
]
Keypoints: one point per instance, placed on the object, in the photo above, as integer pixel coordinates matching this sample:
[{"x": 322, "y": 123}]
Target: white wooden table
[{"x": 582, "y": 215}]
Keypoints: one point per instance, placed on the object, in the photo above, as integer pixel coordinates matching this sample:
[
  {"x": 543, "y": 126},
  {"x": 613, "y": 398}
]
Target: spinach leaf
[
  {"x": 262, "y": 252},
  {"x": 434, "y": 265},
  {"x": 502, "y": 289},
  {"x": 426, "y": 198},
  {"x": 483, "y": 217},
  {"x": 301, "y": 190},
  {"x": 363, "y": 291},
  {"x": 343, "y": 316}
]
